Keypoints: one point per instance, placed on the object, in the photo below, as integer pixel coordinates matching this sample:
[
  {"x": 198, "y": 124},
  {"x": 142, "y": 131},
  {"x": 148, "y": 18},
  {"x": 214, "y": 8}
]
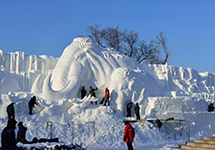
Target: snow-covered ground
[{"x": 163, "y": 91}]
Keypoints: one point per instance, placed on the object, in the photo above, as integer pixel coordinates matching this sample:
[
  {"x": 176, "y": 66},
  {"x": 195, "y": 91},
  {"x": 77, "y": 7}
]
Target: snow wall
[
  {"x": 57, "y": 82},
  {"x": 21, "y": 70}
]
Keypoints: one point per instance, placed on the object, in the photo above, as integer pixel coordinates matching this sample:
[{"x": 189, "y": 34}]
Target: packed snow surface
[{"x": 162, "y": 91}]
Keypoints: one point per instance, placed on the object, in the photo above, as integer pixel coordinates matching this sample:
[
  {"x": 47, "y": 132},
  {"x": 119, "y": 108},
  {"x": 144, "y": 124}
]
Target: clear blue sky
[{"x": 47, "y": 26}]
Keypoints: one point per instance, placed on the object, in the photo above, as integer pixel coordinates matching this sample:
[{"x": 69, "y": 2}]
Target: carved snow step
[
  {"x": 210, "y": 138},
  {"x": 194, "y": 147},
  {"x": 201, "y": 145},
  {"x": 205, "y": 141}
]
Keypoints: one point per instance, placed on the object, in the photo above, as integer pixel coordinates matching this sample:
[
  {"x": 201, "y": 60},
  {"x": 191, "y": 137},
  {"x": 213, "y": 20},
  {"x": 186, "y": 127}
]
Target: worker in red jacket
[
  {"x": 107, "y": 96},
  {"x": 128, "y": 135}
]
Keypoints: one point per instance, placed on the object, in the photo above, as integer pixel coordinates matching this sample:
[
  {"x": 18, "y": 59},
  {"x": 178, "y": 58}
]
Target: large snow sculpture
[
  {"x": 84, "y": 64},
  {"x": 131, "y": 85}
]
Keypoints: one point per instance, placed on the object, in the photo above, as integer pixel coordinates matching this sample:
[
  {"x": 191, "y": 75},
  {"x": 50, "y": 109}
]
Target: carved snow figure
[
  {"x": 84, "y": 64},
  {"x": 131, "y": 86}
]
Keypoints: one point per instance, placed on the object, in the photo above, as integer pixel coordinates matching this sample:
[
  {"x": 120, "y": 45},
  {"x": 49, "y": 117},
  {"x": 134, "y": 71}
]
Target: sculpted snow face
[{"x": 84, "y": 64}]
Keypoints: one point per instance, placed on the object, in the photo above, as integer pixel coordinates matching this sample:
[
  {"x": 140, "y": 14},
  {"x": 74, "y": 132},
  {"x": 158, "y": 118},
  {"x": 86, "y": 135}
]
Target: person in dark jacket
[
  {"x": 137, "y": 111},
  {"x": 21, "y": 133},
  {"x": 8, "y": 141},
  {"x": 31, "y": 104},
  {"x": 11, "y": 111},
  {"x": 129, "y": 134},
  {"x": 210, "y": 107},
  {"x": 83, "y": 92},
  {"x": 128, "y": 109},
  {"x": 92, "y": 91}
]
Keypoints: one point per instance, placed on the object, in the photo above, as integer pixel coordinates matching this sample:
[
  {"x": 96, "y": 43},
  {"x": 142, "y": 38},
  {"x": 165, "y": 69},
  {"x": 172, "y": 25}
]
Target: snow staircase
[{"x": 208, "y": 143}]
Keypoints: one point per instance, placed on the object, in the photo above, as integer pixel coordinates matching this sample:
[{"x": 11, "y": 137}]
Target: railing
[{"x": 172, "y": 127}]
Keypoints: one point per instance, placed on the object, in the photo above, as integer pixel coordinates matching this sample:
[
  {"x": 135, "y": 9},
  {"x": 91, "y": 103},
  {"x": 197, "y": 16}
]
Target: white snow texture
[{"x": 162, "y": 91}]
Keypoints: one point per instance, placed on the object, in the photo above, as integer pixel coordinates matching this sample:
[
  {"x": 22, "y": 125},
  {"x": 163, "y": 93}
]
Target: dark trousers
[
  {"x": 129, "y": 144},
  {"x": 30, "y": 110},
  {"x": 128, "y": 112},
  {"x": 107, "y": 101},
  {"x": 138, "y": 116}
]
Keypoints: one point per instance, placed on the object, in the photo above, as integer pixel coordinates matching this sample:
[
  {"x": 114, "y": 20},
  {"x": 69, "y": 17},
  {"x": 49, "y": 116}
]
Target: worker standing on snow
[
  {"x": 107, "y": 96},
  {"x": 83, "y": 92},
  {"x": 128, "y": 109},
  {"x": 129, "y": 134},
  {"x": 92, "y": 91},
  {"x": 8, "y": 141},
  {"x": 31, "y": 104},
  {"x": 11, "y": 111},
  {"x": 137, "y": 111},
  {"x": 21, "y": 133}
]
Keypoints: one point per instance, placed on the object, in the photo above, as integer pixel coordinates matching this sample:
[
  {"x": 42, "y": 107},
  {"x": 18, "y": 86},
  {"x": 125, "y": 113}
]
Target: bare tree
[
  {"x": 163, "y": 42},
  {"x": 130, "y": 44},
  {"x": 114, "y": 37},
  {"x": 96, "y": 35},
  {"x": 148, "y": 53},
  {"x": 131, "y": 40}
]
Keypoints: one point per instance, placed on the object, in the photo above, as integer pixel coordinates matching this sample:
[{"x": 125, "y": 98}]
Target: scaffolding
[
  {"x": 49, "y": 126},
  {"x": 87, "y": 126},
  {"x": 173, "y": 127}
]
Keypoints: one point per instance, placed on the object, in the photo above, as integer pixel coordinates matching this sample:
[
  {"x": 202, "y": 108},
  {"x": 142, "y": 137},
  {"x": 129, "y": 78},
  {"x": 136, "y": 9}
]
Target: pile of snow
[
  {"x": 109, "y": 127},
  {"x": 163, "y": 91}
]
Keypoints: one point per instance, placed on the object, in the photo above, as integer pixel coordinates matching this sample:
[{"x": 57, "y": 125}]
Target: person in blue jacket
[
  {"x": 21, "y": 133},
  {"x": 8, "y": 141}
]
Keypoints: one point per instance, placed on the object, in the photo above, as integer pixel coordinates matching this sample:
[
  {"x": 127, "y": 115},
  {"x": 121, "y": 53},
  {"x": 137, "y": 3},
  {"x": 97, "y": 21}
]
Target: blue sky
[{"x": 47, "y": 26}]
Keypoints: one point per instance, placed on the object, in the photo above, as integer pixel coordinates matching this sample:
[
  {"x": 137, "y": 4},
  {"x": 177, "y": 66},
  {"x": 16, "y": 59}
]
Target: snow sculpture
[
  {"x": 84, "y": 64},
  {"x": 78, "y": 66},
  {"x": 131, "y": 85},
  {"x": 8, "y": 83},
  {"x": 179, "y": 81},
  {"x": 25, "y": 68}
]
